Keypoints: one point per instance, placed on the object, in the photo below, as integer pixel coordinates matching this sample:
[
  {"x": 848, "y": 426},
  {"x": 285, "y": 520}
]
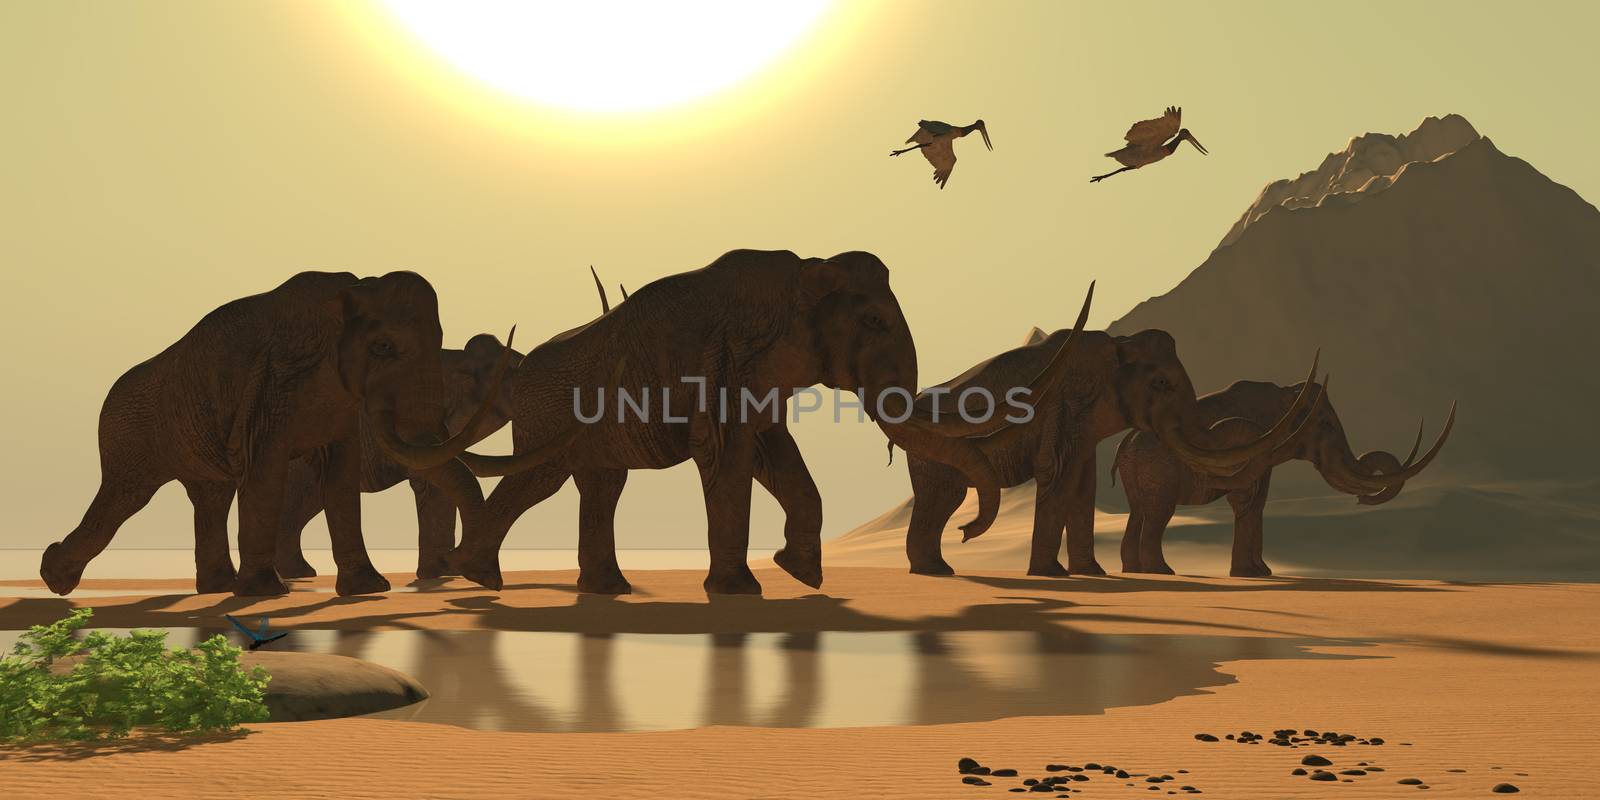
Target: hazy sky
[{"x": 158, "y": 159}]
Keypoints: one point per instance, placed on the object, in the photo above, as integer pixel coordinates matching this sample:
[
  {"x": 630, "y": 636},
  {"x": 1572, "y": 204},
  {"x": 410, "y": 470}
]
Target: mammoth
[
  {"x": 258, "y": 383},
  {"x": 1111, "y": 383},
  {"x": 699, "y": 354},
  {"x": 468, "y": 375},
  {"x": 1156, "y": 482}
]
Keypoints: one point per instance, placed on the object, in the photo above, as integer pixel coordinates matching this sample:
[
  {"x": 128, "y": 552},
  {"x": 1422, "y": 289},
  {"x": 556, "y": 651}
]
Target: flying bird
[
  {"x": 1148, "y": 142},
  {"x": 258, "y": 637},
  {"x": 936, "y": 140}
]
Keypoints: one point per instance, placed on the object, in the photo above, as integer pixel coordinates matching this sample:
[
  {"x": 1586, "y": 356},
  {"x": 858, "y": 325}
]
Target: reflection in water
[{"x": 544, "y": 681}]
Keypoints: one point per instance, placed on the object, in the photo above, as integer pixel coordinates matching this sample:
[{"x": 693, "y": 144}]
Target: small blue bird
[{"x": 259, "y": 636}]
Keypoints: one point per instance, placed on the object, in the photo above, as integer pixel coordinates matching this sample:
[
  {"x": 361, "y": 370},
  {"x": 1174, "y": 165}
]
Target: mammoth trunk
[
  {"x": 955, "y": 451},
  {"x": 423, "y": 457},
  {"x": 1377, "y": 477}
]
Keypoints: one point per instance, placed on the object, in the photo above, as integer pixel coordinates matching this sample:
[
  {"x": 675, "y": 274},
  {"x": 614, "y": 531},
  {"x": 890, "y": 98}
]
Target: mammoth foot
[
  {"x": 1048, "y": 569},
  {"x": 259, "y": 582},
  {"x": 295, "y": 566},
  {"x": 805, "y": 566},
  {"x": 603, "y": 581},
  {"x": 1256, "y": 570},
  {"x": 734, "y": 581},
  {"x": 483, "y": 570},
  {"x": 1154, "y": 568},
  {"x": 364, "y": 580},
  {"x": 215, "y": 581},
  {"x": 58, "y": 572},
  {"x": 429, "y": 568},
  {"x": 1088, "y": 567},
  {"x": 937, "y": 566}
]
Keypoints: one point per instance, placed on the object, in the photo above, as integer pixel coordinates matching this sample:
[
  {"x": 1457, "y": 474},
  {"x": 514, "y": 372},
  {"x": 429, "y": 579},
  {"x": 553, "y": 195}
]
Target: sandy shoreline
[{"x": 1472, "y": 676}]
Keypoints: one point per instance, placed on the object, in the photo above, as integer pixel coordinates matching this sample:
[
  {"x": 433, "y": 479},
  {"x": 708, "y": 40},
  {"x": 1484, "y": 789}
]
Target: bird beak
[
  {"x": 1198, "y": 146},
  {"x": 985, "y": 132}
]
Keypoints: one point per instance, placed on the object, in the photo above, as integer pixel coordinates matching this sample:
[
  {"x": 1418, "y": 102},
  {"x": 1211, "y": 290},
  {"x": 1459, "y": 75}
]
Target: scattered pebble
[
  {"x": 1409, "y": 781},
  {"x": 1319, "y": 775},
  {"x": 974, "y": 781},
  {"x": 1298, "y": 771},
  {"x": 1206, "y": 737},
  {"x": 1316, "y": 761},
  {"x": 1505, "y": 788},
  {"x": 1353, "y": 772},
  {"x": 967, "y": 765},
  {"x": 1004, "y": 773}
]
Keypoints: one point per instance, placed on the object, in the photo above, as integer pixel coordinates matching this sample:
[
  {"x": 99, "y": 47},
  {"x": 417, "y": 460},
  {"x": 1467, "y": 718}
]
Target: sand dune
[{"x": 1506, "y": 694}]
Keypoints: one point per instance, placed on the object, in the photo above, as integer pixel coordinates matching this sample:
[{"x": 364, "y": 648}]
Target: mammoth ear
[
  {"x": 818, "y": 279},
  {"x": 348, "y": 309}
]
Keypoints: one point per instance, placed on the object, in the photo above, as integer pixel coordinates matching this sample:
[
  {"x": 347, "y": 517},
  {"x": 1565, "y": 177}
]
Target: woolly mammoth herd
[{"x": 297, "y": 400}]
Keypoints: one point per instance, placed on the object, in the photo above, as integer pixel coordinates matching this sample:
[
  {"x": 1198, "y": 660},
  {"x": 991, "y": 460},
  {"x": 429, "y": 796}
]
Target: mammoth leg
[
  {"x": 260, "y": 517},
  {"x": 116, "y": 501},
  {"x": 1051, "y": 501},
  {"x": 599, "y": 490},
  {"x": 477, "y": 558},
  {"x": 1079, "y": 478},
  {"x": 213, "y": 564},
  {"x": 302, "y": 502},
  {"x": 936, "y": 492},
  {"x": 436, "y": 529},
  {"x": 1153, "y": 512},
  {"x": 781, "y": 469},
  {"x": 726, "y": 475},
  {"x": 1248, "y": 508},
  {"x": 341, "y": 503},
  {"x": 1130, "y": 538}
]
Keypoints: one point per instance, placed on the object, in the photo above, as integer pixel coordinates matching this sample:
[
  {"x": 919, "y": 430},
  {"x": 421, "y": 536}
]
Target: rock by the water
[
  {"x": 1316, "y": 761},
  {"x": 1505, "y": 788},
  {"x": 308, "y": 686},
  {"x": 1409, "y": 781},
  {"x": 966, "y": 765},
  {"x": 1319, "y": 775}
]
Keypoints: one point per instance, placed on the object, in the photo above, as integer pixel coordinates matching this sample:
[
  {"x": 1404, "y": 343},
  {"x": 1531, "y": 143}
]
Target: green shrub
[{"x": 116, "y": 684}]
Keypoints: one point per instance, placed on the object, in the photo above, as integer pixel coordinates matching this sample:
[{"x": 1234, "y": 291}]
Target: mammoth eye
[
  {"x": 382, "y": 348},
  {"x": 875, "y": 322}
]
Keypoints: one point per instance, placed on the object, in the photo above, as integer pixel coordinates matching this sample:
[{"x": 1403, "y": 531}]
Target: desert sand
[{"x": 1469, "y": 685}]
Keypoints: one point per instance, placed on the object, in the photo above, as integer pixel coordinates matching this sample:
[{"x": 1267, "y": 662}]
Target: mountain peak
[{"x": 1368, "y": 164}]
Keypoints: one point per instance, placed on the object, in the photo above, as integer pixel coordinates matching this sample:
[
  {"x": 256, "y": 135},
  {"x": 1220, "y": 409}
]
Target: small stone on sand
[
  {"x": 1316, "y": 761},
  {"x": 1505, "y": 788}
]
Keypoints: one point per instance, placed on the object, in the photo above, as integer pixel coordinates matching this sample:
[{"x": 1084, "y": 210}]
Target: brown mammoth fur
[
  {"x": 1110, "y": 383},
  {"x": 256, "y": 384},
  {"x": 1156, "y": 483},
  {"x": 468, "y": 379},
  {"x": 752, "y": 321}
]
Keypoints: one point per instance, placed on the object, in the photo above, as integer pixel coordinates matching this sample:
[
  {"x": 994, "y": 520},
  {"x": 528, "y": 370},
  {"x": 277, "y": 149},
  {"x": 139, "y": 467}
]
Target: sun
[{"x": 609, "y": 56}]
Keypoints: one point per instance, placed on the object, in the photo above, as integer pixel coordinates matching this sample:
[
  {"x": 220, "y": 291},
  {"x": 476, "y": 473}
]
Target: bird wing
[
  {"x": 241, "y": 627},
  {"x": 262, "y": 631},
  {"x": 1155, "y": 132},
  {"x": 941, "y": 153},
  {"x": 930, "y": 128}
]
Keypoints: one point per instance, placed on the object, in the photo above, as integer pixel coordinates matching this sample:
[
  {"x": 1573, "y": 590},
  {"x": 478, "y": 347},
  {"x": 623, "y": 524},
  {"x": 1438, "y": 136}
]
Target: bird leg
[
  {"x": 1099, "y": 178},
  {"x": 907, "y": 149}
]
